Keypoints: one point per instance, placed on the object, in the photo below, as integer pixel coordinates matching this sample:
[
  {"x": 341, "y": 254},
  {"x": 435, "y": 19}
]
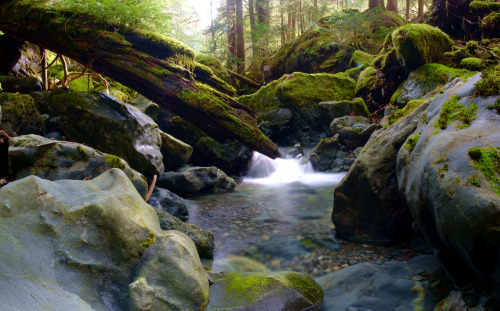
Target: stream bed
[{"x": 280, "y": 216}]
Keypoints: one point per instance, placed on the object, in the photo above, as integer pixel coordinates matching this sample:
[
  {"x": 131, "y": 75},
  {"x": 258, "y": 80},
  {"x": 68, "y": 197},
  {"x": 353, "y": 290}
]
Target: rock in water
[
  {"x": 191, "y": 180},
  {"x": 169, "y": 202},
  {"x": 448, "y": 175},
  {"x": 260, "y": 291},
  {"x": 100, "y": 121},
  {"x": 78, "y": 245},
  {"x": 54, "y": 160},
  {"x": 175, "y": 152}
]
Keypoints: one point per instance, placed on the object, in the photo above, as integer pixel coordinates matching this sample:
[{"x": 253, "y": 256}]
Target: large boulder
[
  {"x": 368, "y": 208},
  {"x": 230, "y": 156},
  {"x": 169, "y": 202},
  {"x": 19, "y": 115},
  {"x": 21, "y": 85},
  {"x": 394, "y": 285},
  {"x": 425, "y": 79},
  {"x": 301, "y": 94},
  {"x": 353, "y": 131},
  {"x": 192, "y": 180},
  {"x": 19, "y": 58},
  {"x": 449, "y": 178},
  {"x": 55, "y": 160},
  {"x": 264, "y": 291},
  {"x": 100, "y": 121},
  {"x": 75, "y": 245}
]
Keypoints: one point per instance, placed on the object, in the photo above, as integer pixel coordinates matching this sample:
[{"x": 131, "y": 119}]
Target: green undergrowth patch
[
  {"x": 489, "y": 85},
  {"x": 412, "y": 142},
  {"x": 114, "y": 161},
  {"x": 17, "y": 104},
  {"x": 495, "y": 106},
  {"x": 403, "y": 112},
  {"x": 487, "y": 161},
  {"x": 452, "y": 111}
]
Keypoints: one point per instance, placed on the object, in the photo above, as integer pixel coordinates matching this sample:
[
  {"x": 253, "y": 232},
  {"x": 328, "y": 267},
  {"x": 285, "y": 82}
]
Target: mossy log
[{"x": 155, "y": 66}]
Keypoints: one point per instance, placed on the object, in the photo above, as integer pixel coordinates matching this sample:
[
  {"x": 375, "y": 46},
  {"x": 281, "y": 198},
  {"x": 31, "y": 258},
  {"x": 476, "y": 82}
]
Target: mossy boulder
[
  {"x": 425, "y": 79},
  {"x": 419, "y": 44},
  {"x": 353, "y": 131},
  {"x": 55, "y": 160},
  {"x": 301, "y": 93},
  {"x": 490, "y": 24},
  {"x": 230, "y": 155},
  {"x": 360, "y": 59},
  {"x": 323, "y": 156},
  {"x": 147, "y": 107},
  {"x": 70, "y": 243},
  {"x": 169, "y": 202},
  {"x": 175, "y": 152},
  {"x": 471, "y": 63},
  {"x": 192, "y": 180},
  {"x": 337, "y": 109},
  {"x": 264, "y": 291},
  {"x": 215, "y": 65},
  {"x": 449, "y": 180},
  {"x": 20, "y": 115},
  {"x": 329, "y": 47},
  {"x": 100, "y": 121}
]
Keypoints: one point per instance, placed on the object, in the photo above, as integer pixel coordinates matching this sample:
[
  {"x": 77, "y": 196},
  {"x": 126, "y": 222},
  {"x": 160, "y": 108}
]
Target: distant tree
[
  {"x": 240, "y": 38},
  {"x": 420, "y": 7},
  {"x": 231, "y": 33},
  {"x": 392, "y": 5},
  {"x": 374, "y": 3}
]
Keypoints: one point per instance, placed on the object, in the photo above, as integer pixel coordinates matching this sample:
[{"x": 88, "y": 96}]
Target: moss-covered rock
[
  {"x": 355, "y": 107},
  {"x": 193, "y": 180},
  {"x": 215, "y": 65},
  {"x": 19, "y": 58},
  {"x": 301, "y": 93},
  {"x": 230, "y": 156},
  {"x": 102, "y": 122},
  {"x": 20, "y": 85},
  {"x": 329, "y": 47},
  {"x": 425, "y": 79},
  {"x": 419, "y": 44},
  {"x": 20, "y": 115},
  {"x": 360, "y": 59},
  {"x": 55, "y": 160},
  {"x": 471, "y": 63},
  {"x": 175, "y": 152},
  {"x": 489, "y": 85},
  {"x": 323, "y": 156},
  {"x": 490, "y": 24},
  {"x": 67, "y": 244},
  {"x": 264, "y": 291}
]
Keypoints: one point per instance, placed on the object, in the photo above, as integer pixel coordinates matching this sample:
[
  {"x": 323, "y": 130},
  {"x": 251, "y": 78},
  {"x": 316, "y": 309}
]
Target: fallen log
[{"x": 158, "y": 67}]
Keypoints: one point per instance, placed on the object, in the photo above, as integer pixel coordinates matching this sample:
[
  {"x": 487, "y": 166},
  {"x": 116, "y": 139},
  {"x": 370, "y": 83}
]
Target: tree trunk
[
  {"x": 392, "y": 5},
  {"x": 374, "y": 3},
  {"x": 240, "y": 38},
  {"x": 282, "y": 20},
  {"x": 407, "y": 12},
  {"x": 231, "y": 33},
  {"x": 420, "y": 7},
  {"x": 264, "y": 23},
  {"x": 253, "y": 31},
  {"x": 150, "y": 65}
]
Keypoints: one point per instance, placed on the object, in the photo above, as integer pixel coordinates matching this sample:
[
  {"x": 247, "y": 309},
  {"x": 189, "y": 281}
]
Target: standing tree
[
  {"x": 240, "y": 39},
  {"x": 374, "y": 3},
  {"x": 392, "y": 5},
  {"x": 420, "y": 7},
  {"x": 231, "y": 33}
]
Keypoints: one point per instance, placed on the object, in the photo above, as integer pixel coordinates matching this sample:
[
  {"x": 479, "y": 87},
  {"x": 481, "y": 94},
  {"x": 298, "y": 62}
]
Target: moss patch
[
  {"x": 471, "y": 63},
  {"x": 150, "y": 240},
  {"x": 401, "y": 113},
  {"x": 489, "y": 85},
  {"x": 17, "y": 104},
  {"x": 452, "y": 111},
  {"x": 487, "y": 161},
  {"x": 114, "y": 161},
  {"x": 412, "y": 142}
]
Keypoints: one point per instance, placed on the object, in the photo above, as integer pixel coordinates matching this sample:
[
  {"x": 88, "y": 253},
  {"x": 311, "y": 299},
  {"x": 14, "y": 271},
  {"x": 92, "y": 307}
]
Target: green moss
[
  {"x": 452, "y": 111},
  {"x": 150, "y": 240},
  {"x": 412, "y": 142},
  {"x": 490, "y": 24},
  {"x": 489, "y": 85},
  {"x": 82, "y": 151},
  {"x": 361, "y": 59},
  {"x": 301, "y": 91},
  {"x": 418, "y": 44},
  {"x": 471, "y": 63},
  {"x": 495, "y": 106},
  {"x": 487, "y": 161},
  {"x": 472, "y": 46},
  {"x": 17, "y": 104},
  {"x": 248, "y": 285},
  {"x": 474, "y": 182},
  {"x": 215, "y": 65},
  {"x": 485, "y": 5},
  {"x": 401, "y": 113},
  {"x": 367, "y": 80},
  {"x": 114, "y": 161}
]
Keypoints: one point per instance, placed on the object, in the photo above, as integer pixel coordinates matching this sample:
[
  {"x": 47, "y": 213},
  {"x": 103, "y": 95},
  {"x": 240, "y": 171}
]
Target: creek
[{"x": 279, "y": 214}]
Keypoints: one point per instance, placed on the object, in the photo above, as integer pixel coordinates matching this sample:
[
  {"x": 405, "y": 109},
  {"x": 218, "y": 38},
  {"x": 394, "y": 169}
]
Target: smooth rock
[
  {"x": 175, "y": 152},
  {"x": 100, "y": 121},
  {"x": 169, "y": 202},
  {"x": 55, "y": 160},
  {"x": 191, "y": 180}
]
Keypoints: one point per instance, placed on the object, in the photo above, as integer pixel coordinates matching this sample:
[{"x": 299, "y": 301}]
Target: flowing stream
[{"x": 279, "y": 214}]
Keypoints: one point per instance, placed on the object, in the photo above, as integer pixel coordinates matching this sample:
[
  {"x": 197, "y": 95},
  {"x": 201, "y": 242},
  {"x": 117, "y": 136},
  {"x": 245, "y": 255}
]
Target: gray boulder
[
  {"x": 100, "y": 121},
  {"x": 368, "y": 208},
  {"x": 191, "y": 180},
  {"x": 169, "y": 202},
  {"x": 259, "y": 291},
  {"x": 337, "y": 109},
  {"x": 323, "y": 156},
  {"x": 449, "y": 179},
  {"x": 55, "y": 160},
  {"x": 354, "y": 131},
  {"x": 19, "y": 115},
  {"x": 394, "y": 285},
  {"x": 175, "y": 152},
  {"x": 20, "y": 85},
  {"x": 75, "y": 245}
]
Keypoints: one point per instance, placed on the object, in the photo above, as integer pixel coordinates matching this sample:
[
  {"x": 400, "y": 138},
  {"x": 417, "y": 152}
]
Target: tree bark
[
  {"x": 151, "y": 66},
  {"x": 231, "y": 33},
  {"x": 420, "y": 7},
  {"x": 240, "y": 38},
  {"x": 407, "y": 12},
  {"x": 392, "y": 5},
  {"x": 374, "y": 3},
  {"x": 253, "y": 31}
]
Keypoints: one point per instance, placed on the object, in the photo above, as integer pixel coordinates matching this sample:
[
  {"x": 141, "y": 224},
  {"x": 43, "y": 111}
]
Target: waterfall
[{"x": 264, "y": 170}]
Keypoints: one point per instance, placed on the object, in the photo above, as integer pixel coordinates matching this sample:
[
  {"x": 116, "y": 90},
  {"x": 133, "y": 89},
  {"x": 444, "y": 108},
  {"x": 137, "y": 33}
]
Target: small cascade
[{"x": 264, "y": 170}]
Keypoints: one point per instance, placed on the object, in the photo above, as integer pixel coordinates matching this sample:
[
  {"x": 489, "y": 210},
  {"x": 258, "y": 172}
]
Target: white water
[{"x": 266, "y": 171}]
